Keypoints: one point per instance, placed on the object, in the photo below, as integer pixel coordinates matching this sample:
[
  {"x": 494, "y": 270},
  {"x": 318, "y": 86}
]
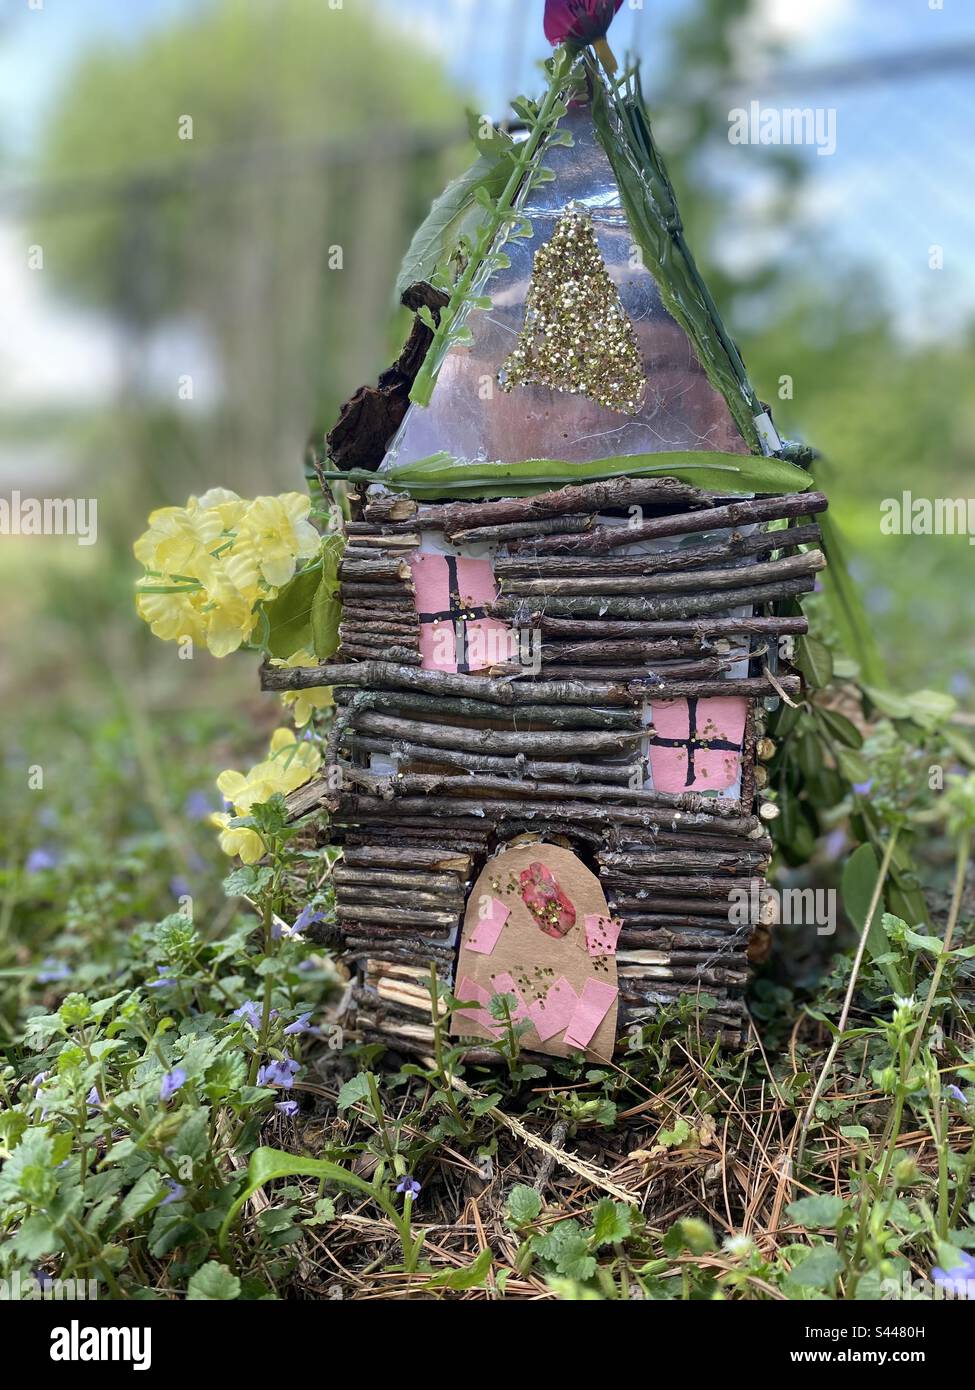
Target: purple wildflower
[
  {"x": 959, "y": 1281},
  {"x": 40, "y": 859},
  {"x": 171, "y": 1083},
  {"x": 287, "y": 1107},
  {"x": 300, "y": 1025},
  {"x": 52, "y": 970},
  {"x": 164, "y": 981},
  {"x": 409, "y": 1186},
  {"x": 94, "y": 1100},
  {"x": 863, "y": 788},
  {"x": 197, "y": 806},
  {"x": 278, "y": 1073},
  {"x": 176, "y": 1192},
  {"x": 306, "y": 917},
  {"x": 835, "y": 843},
  {"x": 179, "y": 887},
  {"x": 39, "y": 1079},
  {"x": 250, "y": 1012},
  {"x": 956, "y": 1093}
]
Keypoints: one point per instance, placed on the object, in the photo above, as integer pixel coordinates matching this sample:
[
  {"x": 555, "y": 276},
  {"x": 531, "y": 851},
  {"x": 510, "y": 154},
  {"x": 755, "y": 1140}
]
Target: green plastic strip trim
[{"x": 623, "y": 130}]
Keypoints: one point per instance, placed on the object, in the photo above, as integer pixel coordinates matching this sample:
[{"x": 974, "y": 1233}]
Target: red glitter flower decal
[
  {"x": 545, "y": 900},
  {"x": 579, "y": 22}
]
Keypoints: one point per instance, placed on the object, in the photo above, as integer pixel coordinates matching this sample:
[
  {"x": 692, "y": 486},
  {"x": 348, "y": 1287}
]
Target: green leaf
[
  {"x": 487, "y": 137},
  {"x": 824, "y": 1211},
  {"x": 326, "y": 611},
  {"x": 846, "y": 607},
  {"x": 354, "y": 1090},
  {"x": 36, "y": 1238},
  {"x": 324, "y": 1213},
  {"x": 289, "y": 615},
  {"x": 214, "y": 1282},
  {"x": 840, "y": 728},
  {"x": 611, "y": 1222},
  {"x": 857, "y": 886},
  {"x": 853, "y": 766},
  {"x": 815, "y": 662},
  {"x": 708, "y": 469},
  {"x": 267, "y": 1164},
  {"x": 471, "y": 1276},
  {"x": 455, "y": 213},
  {"x": 524, "y": 1206},
  {"x": 925, "y": 707},
  {"x": 144, "y": 1194},
  {"x": 818, "y": 1270},
  {"x": 306, "y": 613},
  {"x": 623, "y": 130}
]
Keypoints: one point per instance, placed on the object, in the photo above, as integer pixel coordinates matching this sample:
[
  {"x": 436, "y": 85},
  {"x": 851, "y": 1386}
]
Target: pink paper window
[
  {"x": 452, "y": 594},
  {"x": 696, "y": 743}
]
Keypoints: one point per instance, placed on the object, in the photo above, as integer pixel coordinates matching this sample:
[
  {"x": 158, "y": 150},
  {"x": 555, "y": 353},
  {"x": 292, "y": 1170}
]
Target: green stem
[
  {"x": 426, "y": 378},
  {"x": 962, "y": 856},
  {"x": 848, "y": 1001}
]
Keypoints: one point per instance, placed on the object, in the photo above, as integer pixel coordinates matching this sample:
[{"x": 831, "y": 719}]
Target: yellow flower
[
  {"x": 172, "y": 616},
  {"x": 303, "y": 702},
  {"x": 229, "y": 614},
  {"x": 280, "y": 533},
  {"x": 239, "y": 840},
  {"x": 179, "y": 541},
  {"x": 229, "y": 507},
  {"x": 289, "y": 765}
]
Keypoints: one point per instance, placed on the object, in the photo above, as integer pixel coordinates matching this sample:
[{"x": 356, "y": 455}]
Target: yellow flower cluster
[
  {"x": 210, "y": 562},
  {"x": 305, "y": 701},
  {"x": 289, "y": 765}
]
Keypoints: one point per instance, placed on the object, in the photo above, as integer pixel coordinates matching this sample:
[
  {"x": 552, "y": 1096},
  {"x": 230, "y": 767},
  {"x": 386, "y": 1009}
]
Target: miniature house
[{"x": 548, "y": 703}]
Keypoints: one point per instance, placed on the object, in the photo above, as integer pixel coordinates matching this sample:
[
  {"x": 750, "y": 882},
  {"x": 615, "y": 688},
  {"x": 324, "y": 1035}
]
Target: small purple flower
[
  {"x": 179, "y": 887},
  {"x": 40, "y": 859},
  {"x": 94, "y": 1100},
  {"x": 278, "y": 1073},
  {"x": 956, "y": 1093},
  {"x": 250, "y": 1012},
  {"x": 176, "y": 1192},
  {"x": 171, "y": 1083},
  {"x": 197, "y": 806},
  {"x": 287, "y": 1107},
  {"x": 959, "y": 1281},
  {"x": 306, "y": 917},
  {"x": 300, "y": 1025},
  {"x": 409, "y": 1186},
  {"x": 52, "y": 970},
  {"x": 863, "y": 788},
  {"x": 164, "y": 981},
  {"x": 835, "y": 843},
  {"x": 307, "y": 965},
  {"x": 39, "y": 1079}
]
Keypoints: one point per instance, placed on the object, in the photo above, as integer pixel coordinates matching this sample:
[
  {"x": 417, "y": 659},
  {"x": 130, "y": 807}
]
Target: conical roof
[{"x": 470, "y": 417}]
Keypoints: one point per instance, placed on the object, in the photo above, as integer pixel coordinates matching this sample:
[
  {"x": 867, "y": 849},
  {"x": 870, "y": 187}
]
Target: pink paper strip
[
  {"x": 505, "y": 984},
  {"x": 594, "y": 1004},
  {"x": 491, "y": 917},
  {"x": 551, "y": 1014},
  {"x": 468, "y": 989},
  {"x": 602, "y": 934}
]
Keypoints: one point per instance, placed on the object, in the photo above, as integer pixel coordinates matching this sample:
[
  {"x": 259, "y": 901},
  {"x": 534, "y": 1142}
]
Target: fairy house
[{"x": 561, "y": 629}]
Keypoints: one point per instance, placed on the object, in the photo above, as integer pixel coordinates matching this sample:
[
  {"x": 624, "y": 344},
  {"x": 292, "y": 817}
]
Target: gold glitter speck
[{"x": 577, "y": 338}]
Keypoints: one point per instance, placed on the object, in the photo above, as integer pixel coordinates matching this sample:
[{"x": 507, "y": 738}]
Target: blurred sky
[{"x": 900, "y": 180}]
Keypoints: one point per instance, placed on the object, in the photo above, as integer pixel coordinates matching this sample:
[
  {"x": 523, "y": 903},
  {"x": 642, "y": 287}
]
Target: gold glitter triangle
[{"x": 577, "y": 337}]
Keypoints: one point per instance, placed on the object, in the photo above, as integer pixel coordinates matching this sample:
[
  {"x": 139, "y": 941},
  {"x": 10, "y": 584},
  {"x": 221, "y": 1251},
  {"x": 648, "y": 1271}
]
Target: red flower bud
[{"x": 578, "y": 22}]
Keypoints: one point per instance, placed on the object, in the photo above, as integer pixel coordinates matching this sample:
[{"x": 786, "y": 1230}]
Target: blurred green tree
[{"x": 254, "y": 173}]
